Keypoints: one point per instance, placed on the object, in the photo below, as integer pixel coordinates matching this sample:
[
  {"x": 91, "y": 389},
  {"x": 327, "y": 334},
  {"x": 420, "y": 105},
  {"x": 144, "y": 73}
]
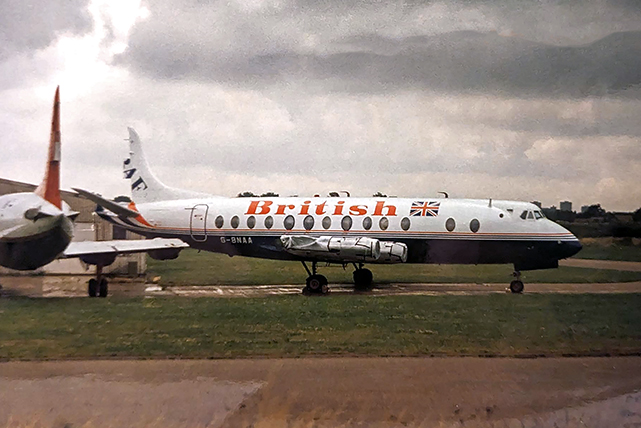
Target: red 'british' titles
[{"x": 265, "y": 207}]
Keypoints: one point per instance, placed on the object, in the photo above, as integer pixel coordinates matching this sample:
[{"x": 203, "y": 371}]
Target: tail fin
[
  {"x": 145, "y": 187},
  {"x": 49, "y": 189}
]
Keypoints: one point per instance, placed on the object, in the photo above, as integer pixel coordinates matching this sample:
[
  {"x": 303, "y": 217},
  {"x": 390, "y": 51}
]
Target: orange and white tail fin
[{"x": 49, "y": 189}]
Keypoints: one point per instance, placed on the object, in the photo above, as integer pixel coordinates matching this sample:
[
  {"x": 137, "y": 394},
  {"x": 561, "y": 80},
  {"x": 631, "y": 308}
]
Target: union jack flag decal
[{"x": 424, "y": 209}]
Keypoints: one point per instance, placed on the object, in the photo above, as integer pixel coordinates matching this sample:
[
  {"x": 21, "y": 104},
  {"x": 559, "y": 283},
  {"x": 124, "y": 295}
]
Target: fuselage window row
[{"x": 309, "y": 222}]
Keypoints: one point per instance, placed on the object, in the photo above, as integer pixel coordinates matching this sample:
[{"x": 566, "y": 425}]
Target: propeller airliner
[
  {"x": 342, "y": 230},
  {"x": 36, "y": 228}
]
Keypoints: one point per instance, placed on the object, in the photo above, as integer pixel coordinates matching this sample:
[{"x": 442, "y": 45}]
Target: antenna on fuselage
[
  {"x": 445, "y": 195},
  {"x": 490, "y": 204}
]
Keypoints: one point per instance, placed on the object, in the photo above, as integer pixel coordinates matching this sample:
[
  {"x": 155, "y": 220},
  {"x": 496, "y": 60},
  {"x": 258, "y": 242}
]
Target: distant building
[
  {"x": 584, "y": 209},
  {"x": 565, "y": 206},
  {"x": 84, "y": 206},
  {"x": 537, "y": 203},
  {"x": 551, "y": 212}
]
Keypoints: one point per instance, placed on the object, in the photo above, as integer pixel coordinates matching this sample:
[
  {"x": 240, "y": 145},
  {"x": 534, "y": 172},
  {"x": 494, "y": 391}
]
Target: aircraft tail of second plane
[
  {"x": 145, "y": 187},
  {"x": 49, "y": 189}
]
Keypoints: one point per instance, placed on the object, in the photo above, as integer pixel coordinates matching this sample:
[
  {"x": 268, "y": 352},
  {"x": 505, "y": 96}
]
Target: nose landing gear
[{"x": 516, "y": 286}]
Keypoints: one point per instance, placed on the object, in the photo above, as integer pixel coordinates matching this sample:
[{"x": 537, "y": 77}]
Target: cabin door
[{"x": 198, "y": 222}]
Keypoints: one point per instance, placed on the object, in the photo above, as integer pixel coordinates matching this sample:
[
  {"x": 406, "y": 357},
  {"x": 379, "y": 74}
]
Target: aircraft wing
[
  {"x": 103, "y": 248},
  {"x": 112, "y": 206}
]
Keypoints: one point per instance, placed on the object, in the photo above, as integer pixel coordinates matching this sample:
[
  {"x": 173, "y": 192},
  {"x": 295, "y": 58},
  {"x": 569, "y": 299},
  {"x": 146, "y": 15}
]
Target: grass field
[
  {"x": 205, "y": 268},
  {"x": 292, "y": 326}
]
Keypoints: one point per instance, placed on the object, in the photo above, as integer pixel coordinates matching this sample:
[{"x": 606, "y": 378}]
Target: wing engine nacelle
[
  {"x": 333, "y": 248},
  {"x": 345, "y": 249},
  {"x": 98, "y": 259},
  {"x": 164, "y": 254},
  {"x": 393, "y": 252}
]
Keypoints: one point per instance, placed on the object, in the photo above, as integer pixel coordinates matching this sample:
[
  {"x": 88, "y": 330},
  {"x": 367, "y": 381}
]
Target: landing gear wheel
[
  {"x": 317, "y": 284},
  {"x": 363, "y": 279},
  {"x": 92, "y": 287},
  {"x": 314, "y": 283},
  {"x": 103, "y": 288},
  {"x": 516, "y": 286}
]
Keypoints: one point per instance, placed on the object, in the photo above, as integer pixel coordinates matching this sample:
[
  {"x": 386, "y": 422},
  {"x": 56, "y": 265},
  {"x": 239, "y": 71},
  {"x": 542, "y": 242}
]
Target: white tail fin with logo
[{"x": 145, "y": 187}]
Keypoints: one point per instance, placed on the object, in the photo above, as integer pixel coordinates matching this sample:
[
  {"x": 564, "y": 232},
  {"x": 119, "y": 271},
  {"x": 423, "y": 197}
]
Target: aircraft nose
[{"x": 569, "y": 248}]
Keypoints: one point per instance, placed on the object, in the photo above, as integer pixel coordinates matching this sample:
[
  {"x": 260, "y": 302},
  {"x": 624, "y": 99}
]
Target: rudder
[{"x": 145, "y": 187}]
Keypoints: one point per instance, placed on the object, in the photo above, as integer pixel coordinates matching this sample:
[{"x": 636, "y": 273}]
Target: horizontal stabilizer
[
  {"x": 112, "y": 206},
  {"x": 91, "y": 248}
]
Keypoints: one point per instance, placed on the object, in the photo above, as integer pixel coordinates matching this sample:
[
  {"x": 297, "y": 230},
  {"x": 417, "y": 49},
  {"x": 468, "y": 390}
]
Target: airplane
[
  {"x": 37, "y": 228},
  {"x": 342, "y": 230}
]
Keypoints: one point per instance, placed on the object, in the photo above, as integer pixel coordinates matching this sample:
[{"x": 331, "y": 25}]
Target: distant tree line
[
  {"x": 253, "y": 195},
  {"x": 601, "y": 222}
]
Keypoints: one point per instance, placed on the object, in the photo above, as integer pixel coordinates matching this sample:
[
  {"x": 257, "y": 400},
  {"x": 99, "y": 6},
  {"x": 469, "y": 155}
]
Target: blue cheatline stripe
[{"x": 185, "y": 232}]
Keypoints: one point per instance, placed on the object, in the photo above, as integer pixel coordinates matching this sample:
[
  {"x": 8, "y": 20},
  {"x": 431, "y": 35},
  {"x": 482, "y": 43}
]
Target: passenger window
[
  {"x": 251, "y": 221},
  {"x": 235, "y": 221},
  {"x": 219, "y": 221},
  {"x": 530, "y": 216},
  {"x": 367, "y": 223},
  {"x": 346, "y": 223},
  {"x": 327, "y": 223},
  {"x": 475, "y": 225},
  {"x": 383, "y": 223},
  {"x": 308, "y": 223},
  {"x": 450, "y": 224},
  {"x": 405, "y": 223},
  {"x": 289, "y": 222},
  {"x": 269, "y": 222}
]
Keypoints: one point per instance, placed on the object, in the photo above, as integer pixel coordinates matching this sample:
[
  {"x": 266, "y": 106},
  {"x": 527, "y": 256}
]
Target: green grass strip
[
  {"x": 193, "y": 268},
  {"x": 293, "y": 326}
]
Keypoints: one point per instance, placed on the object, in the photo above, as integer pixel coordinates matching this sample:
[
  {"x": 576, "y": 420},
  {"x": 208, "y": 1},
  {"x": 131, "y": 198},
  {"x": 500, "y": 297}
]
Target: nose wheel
[{"x": 516, "y": 286}]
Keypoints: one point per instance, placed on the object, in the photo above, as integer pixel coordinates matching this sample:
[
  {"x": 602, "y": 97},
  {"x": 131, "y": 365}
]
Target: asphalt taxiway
[{"x": 324, "y": 392}]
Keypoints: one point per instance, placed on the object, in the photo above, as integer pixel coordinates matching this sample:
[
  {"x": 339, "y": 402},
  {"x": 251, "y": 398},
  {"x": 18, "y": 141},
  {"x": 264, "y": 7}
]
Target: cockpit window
[
  {"x": 538, "y": 215},
  {"x": 530, "y": 216},
  {"x": 523, "y": 215}
]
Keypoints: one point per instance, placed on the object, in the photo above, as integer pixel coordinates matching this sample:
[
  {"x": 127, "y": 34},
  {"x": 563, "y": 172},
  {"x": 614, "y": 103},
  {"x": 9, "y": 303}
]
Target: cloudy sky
[{"x": 511, "y": 100}]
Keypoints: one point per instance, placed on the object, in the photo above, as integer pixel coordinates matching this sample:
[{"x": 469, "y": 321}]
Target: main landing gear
[
  {"x": 98, "y": 286},
  {"x": 362, "y": 277},
  {"x": 516, "y": 286},
  {"x": 317, "y": 284}
]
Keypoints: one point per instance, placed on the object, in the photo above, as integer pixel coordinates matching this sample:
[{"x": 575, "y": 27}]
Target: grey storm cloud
[
  {"x": 353, "y": 47},
  {"x": 33, "y": 24}
]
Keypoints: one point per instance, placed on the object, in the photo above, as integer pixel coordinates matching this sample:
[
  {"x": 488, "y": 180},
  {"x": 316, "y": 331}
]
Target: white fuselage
[
  {"x": 33, "y": 231},
  {"x": 434, "y": 230}
]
